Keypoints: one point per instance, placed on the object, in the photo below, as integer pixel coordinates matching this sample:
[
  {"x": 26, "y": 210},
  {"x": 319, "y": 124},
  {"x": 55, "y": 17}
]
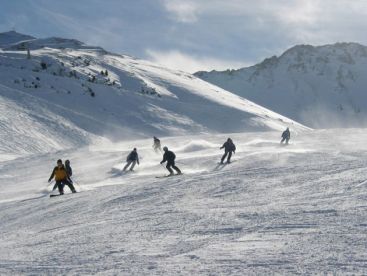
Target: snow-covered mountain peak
[
  {"x": 329, "y": 49},
  {"x": 320, "y": 86},
  {"x": 16, "y": 41},
  {"x": 52, "y": 42},
  {"x": 341, "y": 53}
]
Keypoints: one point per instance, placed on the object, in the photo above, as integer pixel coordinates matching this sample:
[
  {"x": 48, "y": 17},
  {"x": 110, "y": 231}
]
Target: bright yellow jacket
[{"x": 59, "y": 173}]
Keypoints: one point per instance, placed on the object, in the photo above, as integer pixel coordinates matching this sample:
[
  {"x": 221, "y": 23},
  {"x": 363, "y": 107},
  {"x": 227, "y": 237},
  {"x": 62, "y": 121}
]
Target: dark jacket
[
  {"x": 168, "y": 156},
  {"x": 286, "y": 134},
  {"x": 133, "y": 156},
  {"x": 69, "y": 170},
  {"x": 229, "y": 146}
]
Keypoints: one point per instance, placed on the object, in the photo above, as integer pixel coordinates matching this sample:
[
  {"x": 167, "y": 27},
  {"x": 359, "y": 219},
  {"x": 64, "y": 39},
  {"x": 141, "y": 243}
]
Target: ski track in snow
[{"x": 299, "y": 209}]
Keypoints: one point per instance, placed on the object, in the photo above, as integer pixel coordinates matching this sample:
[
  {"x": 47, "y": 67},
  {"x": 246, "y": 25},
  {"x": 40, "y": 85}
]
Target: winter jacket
[
  {"x": 59, "y": 173},
  {"x": 286, "y": 134},
  {"x": 229, "y": 146},
  {"x": 133, "y": 156},
  {"x": 69, "y": 170},
  {"x": 168, "y": 156}
]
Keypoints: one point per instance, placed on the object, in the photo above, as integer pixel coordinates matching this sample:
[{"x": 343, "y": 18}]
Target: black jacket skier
[
  {"x": 286, "y": 136},
  {"x": 132, "y": 158},
  {"x": 229, "y": 147},
  {"x": 69, "y": 170},
  {"x": 170, "y": 157}
]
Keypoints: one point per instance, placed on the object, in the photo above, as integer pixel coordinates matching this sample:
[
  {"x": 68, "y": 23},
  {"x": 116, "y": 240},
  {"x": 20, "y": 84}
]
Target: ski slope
[{"x": 299, "y": 209}]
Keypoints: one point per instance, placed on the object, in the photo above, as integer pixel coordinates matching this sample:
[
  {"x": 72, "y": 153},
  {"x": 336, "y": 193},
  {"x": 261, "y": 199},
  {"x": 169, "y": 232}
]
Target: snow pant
[
  {"x": 286, "y": 140},
  {"x": 229, "y": 153},
  {"x": 133, "y": 162},
  {"x": 171, "y": 165},
  {"x": 60, "y": 185}
]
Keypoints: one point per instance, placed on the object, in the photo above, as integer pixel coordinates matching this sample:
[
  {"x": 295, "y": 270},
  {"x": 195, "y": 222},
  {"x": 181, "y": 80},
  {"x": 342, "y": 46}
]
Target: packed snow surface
[{"x": 297, "y": 209}]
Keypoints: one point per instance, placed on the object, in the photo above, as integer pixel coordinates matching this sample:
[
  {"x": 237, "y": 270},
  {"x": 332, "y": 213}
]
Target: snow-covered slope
[
  {"x": 321, "y": 86},
  {"x": 61, "y": 92},
  {"x": 296, "y": 210},
  {"x": 275, "y": 210}
]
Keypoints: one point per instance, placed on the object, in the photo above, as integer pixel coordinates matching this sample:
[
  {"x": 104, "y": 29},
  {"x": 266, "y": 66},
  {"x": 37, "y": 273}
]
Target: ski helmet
[
  {"x": 67, "y": 162},
  {"x": 165, "y": 148}
]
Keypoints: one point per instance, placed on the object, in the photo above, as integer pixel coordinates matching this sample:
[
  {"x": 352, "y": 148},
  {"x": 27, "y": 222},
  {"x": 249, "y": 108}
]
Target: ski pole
[
  {"x": 73, "y": 180},
  {"x": 49, "y": 183}
]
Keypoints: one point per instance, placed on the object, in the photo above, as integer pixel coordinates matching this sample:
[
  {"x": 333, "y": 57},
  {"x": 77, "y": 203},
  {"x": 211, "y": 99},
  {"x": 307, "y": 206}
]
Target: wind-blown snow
[{"x": 299, "y": 209}]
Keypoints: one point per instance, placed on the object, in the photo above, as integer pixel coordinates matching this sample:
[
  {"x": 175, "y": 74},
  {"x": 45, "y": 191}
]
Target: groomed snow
[{"x": 299, "y": 209}]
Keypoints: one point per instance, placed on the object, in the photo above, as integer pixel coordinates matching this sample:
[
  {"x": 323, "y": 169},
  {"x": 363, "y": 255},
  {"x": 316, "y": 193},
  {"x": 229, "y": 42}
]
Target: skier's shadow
[
  {"x": 115, "y": 172},
  {"x": 219, "y": 167},
  {"x": 33, "y": 198}
]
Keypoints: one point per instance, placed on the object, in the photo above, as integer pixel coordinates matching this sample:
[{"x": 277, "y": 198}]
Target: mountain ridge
[
  {"x": 116, "y": 96},
  {"x": 320, "y": 86}
]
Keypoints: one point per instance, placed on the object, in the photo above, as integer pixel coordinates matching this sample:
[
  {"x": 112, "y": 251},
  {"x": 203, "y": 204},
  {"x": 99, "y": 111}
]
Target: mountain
[
  {"x": 322, "y": 87},
  {"x": 67, "y": 94},
  {"x": 12, "y": 37}
]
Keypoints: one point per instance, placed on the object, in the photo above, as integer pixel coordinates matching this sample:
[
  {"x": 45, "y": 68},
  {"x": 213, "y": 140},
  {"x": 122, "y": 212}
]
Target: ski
[
  {"x": 226, "y": 163},
  {"x": 165, "y": 176},
  {"x": 53, "y": 195}
]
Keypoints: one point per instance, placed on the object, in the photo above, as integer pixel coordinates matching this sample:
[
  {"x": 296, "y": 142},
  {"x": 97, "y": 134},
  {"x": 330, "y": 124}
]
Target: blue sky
[{"x": 191, "y": 35}]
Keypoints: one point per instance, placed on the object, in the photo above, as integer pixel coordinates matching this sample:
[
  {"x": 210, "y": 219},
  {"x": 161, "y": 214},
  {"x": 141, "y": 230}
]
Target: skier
[
  {"x": 170, "y": 157},
  {"x": 229, "y": 147},
  {"x": 132, "y": 158},
  {"x": 69, "y": 171},
  {"x": 61, "y": 178},
  {"x": 286, "y": 135},
  {"x": 157, "y": 144}
]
